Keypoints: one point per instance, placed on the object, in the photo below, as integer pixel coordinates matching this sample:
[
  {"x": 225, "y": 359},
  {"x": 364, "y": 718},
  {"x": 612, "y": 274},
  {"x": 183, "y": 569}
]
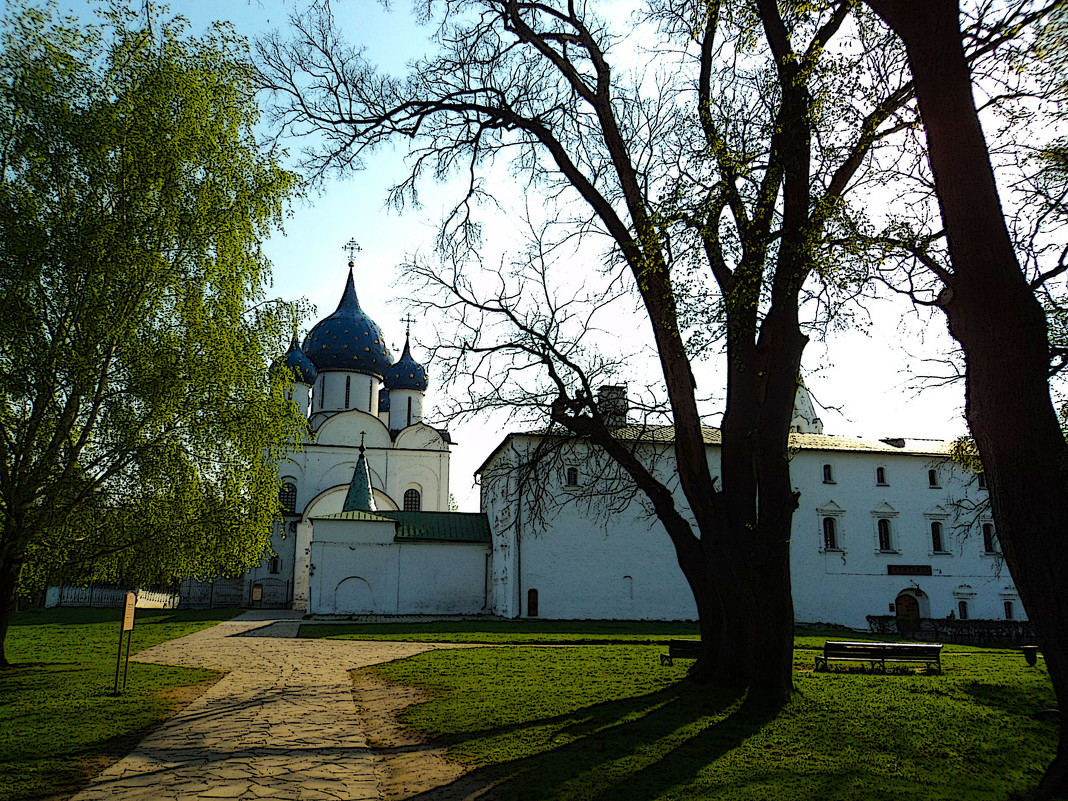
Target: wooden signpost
[{"x": 127, "y": 626}]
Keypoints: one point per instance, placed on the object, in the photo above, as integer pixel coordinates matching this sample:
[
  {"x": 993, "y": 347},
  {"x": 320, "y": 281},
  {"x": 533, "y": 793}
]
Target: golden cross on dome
[{"x": 352, "y": 247}]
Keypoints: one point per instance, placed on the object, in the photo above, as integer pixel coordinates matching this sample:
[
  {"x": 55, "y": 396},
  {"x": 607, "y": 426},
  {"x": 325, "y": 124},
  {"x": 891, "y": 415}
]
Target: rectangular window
[
  {"x": 880, "y": 476},
  {"x": 1009, "y": 611},
  {"x": 932, "y": 479},
  {"x": 886, "y": 542},
  {"x": 830, "y": 534},
  {"x": 828, "y": 474},
  {"x": 937, "y": 544}
]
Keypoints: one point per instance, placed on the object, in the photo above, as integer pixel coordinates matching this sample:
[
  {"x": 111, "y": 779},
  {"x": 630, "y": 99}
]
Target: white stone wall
[
  {"x": 357, "y": 568},
  {"x": 585, "y": 567}
]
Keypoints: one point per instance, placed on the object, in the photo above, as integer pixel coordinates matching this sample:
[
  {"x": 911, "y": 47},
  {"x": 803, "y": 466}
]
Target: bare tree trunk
[
  {"x": 9, "y": 574},
  {"x": 1001, "y": 327}
]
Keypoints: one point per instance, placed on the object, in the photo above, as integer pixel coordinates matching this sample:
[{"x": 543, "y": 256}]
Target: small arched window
[
  {"x": 348, "y": 386},
  {"x": 1009, "y": 611},
  {"x": 287, "y": 496},
  {"x": 962, "y": 610},
  {"x": 932, "y": 478},
  {"x": 828, "y": 474},
  {"x": 571, "y": 477},
  {"x": 830, "y": 534},
  {"x": 886, "y": 542},
  {"x": 412, "y": 501},
  {"x": 989, "y": 541},
  {"x": 409, "y": 411},
  {"x": 275, "y": 565},
  {"x": 880, "y": 476},
  {"x": 981, "y": 478},
  {"x": 532, "y": 603},
  {"x": 937, "y": 542}
]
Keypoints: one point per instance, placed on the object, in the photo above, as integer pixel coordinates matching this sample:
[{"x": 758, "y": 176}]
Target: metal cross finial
[
  {"x": 352, "y": 247},
  {"x": 362, "y": 434},
  {"x": 407, "y": 320}
]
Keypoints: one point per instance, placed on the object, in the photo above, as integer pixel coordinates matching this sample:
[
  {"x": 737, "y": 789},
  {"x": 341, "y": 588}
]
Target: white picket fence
[{"x": 104, "y": 597}]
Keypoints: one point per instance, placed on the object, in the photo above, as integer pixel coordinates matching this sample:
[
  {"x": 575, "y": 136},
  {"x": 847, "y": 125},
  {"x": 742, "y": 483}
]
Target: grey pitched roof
[{"x": 800, "y": 442}]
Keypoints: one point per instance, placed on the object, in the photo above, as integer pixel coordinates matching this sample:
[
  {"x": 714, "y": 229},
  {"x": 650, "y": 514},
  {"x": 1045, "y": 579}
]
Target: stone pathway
[{"x": 280, "y": 725}]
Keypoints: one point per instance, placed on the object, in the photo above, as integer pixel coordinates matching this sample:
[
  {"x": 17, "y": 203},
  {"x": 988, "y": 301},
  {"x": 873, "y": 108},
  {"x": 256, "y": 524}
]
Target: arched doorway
[{"x": 909, "y": 608}]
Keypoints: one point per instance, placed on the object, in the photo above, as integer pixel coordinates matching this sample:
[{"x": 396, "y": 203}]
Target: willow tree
[
  {"x": 696, "y": 162},
  {"x": 137, "y": 416}
]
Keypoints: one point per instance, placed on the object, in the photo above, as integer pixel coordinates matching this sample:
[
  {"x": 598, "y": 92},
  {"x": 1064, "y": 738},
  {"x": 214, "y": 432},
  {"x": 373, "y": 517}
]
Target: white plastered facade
[{"x": 582, "y": 563}]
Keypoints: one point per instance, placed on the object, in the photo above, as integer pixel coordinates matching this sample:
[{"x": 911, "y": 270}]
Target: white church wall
[{"x": 350, "y": 429}]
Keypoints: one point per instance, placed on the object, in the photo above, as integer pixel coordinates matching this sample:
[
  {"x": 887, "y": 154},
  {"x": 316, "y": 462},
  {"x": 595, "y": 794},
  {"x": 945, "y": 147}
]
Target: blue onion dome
[
  {"x": 407, "y": 373},
  {"x": 303, "y": 370},
  {"x": 348, "y": 339}
]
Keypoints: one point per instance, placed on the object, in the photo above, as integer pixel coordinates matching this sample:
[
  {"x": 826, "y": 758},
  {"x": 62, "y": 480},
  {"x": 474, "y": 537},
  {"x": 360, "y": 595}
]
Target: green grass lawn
[
  {"x": 608, "y": 722},
  {"x": 59, "y": 722}
]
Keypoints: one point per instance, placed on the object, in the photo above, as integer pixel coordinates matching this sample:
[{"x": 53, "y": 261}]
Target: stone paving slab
[{"x": 280, "y": 725}]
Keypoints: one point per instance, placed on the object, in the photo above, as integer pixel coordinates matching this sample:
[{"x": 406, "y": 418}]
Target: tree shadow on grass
[{"x": 635, "y": 748}]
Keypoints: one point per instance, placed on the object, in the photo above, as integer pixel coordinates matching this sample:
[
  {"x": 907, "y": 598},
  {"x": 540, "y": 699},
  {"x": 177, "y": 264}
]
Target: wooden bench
[
  {"x": 879, "y": 653},
  {"x": 681, "y": 649}
]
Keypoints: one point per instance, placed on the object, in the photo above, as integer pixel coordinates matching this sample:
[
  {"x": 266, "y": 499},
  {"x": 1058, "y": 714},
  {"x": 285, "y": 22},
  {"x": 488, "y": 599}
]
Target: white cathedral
[{"x": 890, "y": 527}]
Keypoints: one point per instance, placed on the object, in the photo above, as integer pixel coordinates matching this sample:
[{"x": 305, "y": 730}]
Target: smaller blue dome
[
  {"x": 304, "y": 371},
  {"x": 383, "y": 400},
  {"x": 407, "y": 373}
]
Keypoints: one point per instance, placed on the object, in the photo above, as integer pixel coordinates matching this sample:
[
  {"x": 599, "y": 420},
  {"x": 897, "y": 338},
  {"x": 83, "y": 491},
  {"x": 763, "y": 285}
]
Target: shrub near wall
[{"x": 964, "y": 632}]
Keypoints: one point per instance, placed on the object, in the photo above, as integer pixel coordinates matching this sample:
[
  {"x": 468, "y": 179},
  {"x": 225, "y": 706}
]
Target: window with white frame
[
  {"x": 990, "y": 540},
  {"x": 830, "y": 534},
  {"x": 571, "y": 476},
  {"x": 886, "y": 538},
  {"x": 287, "y": 496},
  {"x": 413, "y": 502},
  {"x": 938, "y": 539}
]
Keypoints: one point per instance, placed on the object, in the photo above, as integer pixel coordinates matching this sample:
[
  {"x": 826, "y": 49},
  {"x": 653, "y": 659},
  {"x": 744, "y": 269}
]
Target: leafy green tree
[{"x": 138, "y": 419}]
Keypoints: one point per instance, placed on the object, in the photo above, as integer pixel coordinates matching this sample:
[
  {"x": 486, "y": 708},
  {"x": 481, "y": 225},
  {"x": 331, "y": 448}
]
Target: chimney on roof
[{"x": 612, "y": 404}]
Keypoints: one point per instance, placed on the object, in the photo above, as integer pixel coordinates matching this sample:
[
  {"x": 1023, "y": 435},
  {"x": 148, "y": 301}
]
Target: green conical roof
[{"x": 360, "y": 497}]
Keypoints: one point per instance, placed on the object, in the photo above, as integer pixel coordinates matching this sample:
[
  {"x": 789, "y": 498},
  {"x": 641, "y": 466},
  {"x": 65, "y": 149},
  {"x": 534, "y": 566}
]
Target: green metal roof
[{"x": 426, "y": 526}]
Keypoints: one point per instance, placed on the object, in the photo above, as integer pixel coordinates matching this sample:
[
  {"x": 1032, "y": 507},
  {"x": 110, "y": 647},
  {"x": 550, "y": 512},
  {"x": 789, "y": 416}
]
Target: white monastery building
[{"x": 890, "y": 527}]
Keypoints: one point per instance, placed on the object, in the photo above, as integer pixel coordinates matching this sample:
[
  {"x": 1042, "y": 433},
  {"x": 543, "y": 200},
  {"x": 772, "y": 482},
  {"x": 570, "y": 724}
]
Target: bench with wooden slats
[{"x": 880, "y": 653}]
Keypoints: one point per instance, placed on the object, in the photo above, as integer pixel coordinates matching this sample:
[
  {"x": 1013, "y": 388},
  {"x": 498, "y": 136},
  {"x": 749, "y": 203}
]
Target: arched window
[
  {"x": 937, "y": 544},
  {"x": 828, "y": 474},
  {"x": 409, "y": 411},
  {"x": 412, "y": 501},
  {"x": 880, "y": 476},
  {"x": 962, "y": 610},
  {"x": 275, "y": 565},
  {"x": 830, "y": 534},
  {"x": 348, "y": 386},
  {"x": 989, "y": 541},
  {"x": 1009, "y": 611},
  {"x": 932, "y": 478},
  {"x": 322, "y": 392},
  {"x": 532, "y": 603},
  {"x": 287, "y": 496},
  {"x": 981, "y": 477},
  {"x": 886, "y": 542},
  {"x": 572, "y": 477}
]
